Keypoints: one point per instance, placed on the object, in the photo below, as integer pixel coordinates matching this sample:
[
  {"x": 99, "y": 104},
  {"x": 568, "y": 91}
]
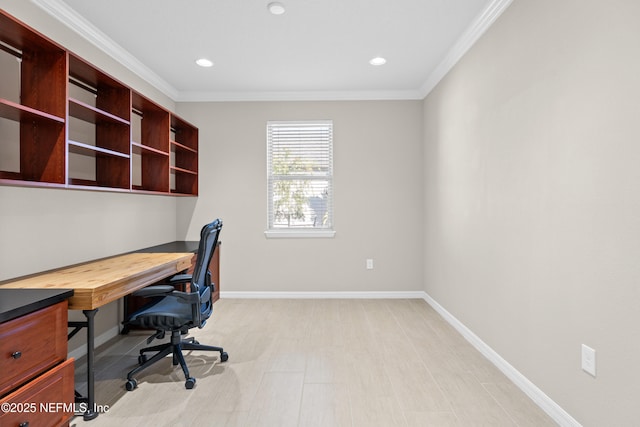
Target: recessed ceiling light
[
  {"x": 378, "y": 60},
  {"x": 276, "y": 8},
  {"x": 204, "y": 62}
]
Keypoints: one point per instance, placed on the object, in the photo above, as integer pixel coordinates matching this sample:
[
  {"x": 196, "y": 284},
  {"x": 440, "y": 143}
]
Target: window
[{"x": 300, "y": 179}]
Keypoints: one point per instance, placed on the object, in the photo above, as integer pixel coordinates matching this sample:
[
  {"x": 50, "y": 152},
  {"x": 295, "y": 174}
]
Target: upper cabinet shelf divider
[
  {"x": 16, "y": 112},
  {"x": 141, "y": 148},
  {"x": 92, "y": 114},
  {"x": 183, "y": 147}
]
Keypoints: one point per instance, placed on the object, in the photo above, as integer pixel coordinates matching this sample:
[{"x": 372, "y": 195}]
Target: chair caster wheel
[
  {"x": 224, "y": 356},
  {"x": 142, "y": 359},
  {"x": 190, "y": 383},
  {"x": 131, "y": 385}
]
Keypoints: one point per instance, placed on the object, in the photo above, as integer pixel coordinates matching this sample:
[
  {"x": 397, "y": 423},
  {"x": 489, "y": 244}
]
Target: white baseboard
[
  {"x": 98, "y": 341},
  {"x": 325, "y": 295},
  {"x": 552, "y": 409}
]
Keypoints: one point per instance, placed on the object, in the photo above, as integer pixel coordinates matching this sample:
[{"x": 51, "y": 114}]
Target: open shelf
[
  {"x": 111, "y": 96},
  {"x": 90, "y": 165},
  {"x": 178, "y": 146},
  {"x": 92, "y": 150},
  {"x": 183, "y": 181},
  {"x": 184, "y": 157},
  {"x": 92, "y": 114},
  {"x": 99, "y": 134},
  {"x": 20, "y": 113},
  {"x": 143, "y": 149},
  {"x": 66, "y": 123},
  {"x": 149, "y": 145},
  {"x": 180, "y": 170},
  {"x": 32, "y": 106}
]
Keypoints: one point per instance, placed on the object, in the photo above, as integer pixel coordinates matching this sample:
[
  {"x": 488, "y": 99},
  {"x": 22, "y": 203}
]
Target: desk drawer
[
  {"x": 46, "y": 401},
  {"x": 31, "y": 344}
]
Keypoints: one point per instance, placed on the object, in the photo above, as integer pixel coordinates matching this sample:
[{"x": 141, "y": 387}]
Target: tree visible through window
[{"x": 300, "y": 168}]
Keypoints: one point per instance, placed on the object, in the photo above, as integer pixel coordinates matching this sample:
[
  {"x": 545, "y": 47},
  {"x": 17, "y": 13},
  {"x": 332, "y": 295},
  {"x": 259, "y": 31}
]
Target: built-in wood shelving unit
[{"x": 65, "y": 123}]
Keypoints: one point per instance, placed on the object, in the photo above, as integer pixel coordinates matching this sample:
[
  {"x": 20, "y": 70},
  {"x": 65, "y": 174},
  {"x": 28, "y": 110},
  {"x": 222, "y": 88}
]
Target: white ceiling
[{"x": 318, "y": 49}]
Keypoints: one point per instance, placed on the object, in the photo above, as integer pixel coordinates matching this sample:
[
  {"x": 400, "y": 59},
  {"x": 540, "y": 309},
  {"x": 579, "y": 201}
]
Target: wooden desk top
[{"x": 97, "y": 283}]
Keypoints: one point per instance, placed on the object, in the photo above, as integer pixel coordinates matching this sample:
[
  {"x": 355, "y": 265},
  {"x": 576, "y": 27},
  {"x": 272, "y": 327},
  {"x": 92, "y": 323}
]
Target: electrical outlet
[
  {"x": 588, "y": 360},
  {"x": 369, "y": 264}
]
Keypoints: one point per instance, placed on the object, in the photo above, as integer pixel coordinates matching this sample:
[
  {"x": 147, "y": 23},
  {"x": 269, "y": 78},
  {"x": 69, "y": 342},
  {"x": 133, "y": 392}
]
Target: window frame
[{"x": 299, "y": 232}]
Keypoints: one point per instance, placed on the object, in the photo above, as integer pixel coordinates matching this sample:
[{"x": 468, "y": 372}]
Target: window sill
[{"x": 299, "y": 234}]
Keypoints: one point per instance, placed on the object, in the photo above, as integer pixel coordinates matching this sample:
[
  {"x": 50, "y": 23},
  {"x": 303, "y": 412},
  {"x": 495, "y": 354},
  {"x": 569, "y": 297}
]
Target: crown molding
[
  {"x": 299, "y": 96},
  {"x": 477, "y": 28},
  {"x": 77, "y": 23}
]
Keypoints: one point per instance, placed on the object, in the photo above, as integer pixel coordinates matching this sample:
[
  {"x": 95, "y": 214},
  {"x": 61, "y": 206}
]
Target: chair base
[{"x": 176, "y": 346}]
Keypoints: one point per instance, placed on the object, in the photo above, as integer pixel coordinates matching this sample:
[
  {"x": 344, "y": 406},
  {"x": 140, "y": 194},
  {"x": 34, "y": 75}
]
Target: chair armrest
[
  {"x": 154, "y": 291},
  {"x": 180, "y": 278},
  {"x": 188, "y": 297}
]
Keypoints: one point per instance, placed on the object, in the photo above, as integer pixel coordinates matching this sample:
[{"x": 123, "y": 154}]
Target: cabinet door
[
  {"x": 47, "y": 401},
  {"x": 31, "y": 344}
]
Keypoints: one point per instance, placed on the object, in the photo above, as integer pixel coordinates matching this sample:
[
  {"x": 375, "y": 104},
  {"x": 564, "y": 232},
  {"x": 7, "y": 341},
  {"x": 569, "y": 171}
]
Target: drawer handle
[
  {"x": 24, "y": 424},
  {"x": 16, "y": 355}
]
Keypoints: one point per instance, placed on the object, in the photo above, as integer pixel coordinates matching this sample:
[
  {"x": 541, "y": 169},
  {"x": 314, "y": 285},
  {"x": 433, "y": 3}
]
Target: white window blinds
[{"x": 300, "y": 175}]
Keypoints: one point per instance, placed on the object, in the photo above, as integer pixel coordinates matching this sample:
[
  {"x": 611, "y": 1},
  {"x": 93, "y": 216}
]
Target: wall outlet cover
[{"x": 588, "y": 360}]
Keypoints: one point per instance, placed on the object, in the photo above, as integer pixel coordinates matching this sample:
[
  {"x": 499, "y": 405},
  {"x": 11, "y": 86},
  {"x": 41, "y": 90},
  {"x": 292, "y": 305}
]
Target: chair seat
[{"x": 166, "y": 314}]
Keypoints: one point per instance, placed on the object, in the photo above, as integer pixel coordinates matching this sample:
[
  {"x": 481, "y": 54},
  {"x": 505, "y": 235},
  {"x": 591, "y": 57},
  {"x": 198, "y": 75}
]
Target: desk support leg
[{"x": 91, "y": 397}]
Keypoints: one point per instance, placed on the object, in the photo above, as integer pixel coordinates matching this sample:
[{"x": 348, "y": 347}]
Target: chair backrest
[{"x": 201, "y": 277}]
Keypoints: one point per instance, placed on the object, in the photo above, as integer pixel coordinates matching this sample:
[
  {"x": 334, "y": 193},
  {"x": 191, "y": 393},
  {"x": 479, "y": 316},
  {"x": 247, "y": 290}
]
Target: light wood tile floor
[{"x": 314, "y": 363}]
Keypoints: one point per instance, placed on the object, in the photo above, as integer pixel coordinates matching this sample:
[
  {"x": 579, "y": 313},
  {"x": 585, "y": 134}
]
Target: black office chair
[{"x": 177, "y": 312}]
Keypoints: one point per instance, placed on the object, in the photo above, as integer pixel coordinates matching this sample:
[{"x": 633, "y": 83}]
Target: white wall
[
  {"x": 532, "y": 208},
  {"x": 378, "y": 197},
  {"x": 43, "y": 229}
]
